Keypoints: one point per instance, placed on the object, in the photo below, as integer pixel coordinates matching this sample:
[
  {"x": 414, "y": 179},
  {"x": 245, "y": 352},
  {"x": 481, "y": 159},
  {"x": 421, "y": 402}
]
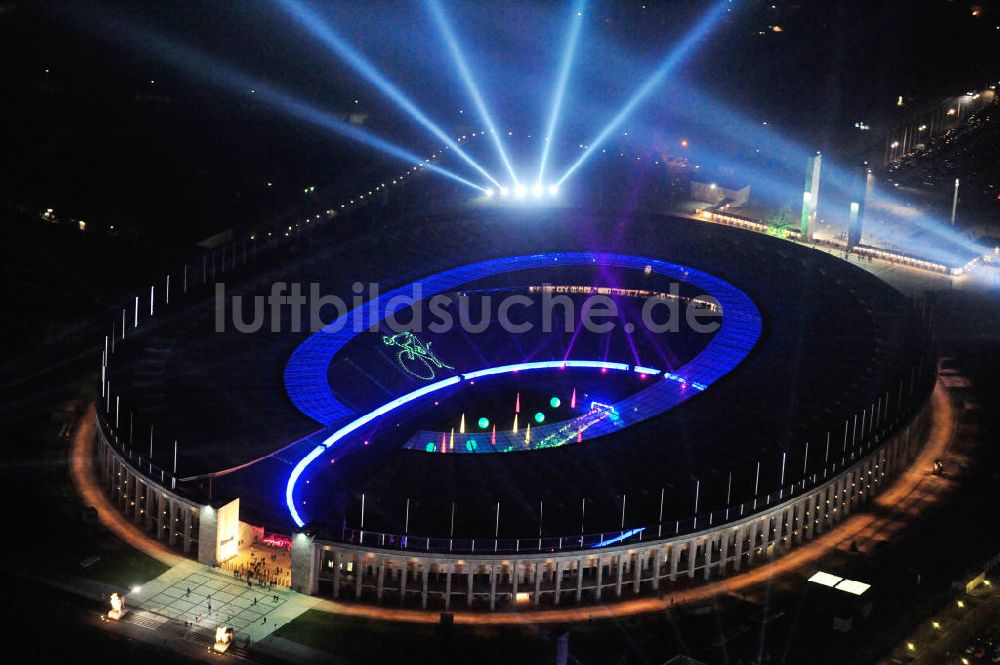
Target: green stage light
[
  {"x": 539, "y": 417},
  {"x": 555, "y": 402},
  {"x": 484, "y": 423}
]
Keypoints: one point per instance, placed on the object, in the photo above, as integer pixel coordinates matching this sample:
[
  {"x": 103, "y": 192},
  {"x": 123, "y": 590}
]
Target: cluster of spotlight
[
  {"x": 519, "y": 191},
  {"x": 320, "y": 27}
]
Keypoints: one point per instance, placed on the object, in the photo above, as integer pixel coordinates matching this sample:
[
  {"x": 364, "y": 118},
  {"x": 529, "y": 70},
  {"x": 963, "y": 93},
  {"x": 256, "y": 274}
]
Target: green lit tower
[{"x": 810, "y": 197}]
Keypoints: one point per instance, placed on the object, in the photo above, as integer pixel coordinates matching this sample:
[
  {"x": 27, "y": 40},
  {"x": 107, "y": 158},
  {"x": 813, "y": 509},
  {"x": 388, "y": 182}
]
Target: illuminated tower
[
  {"x": 861, "y": 190},
  {"x": 810, "y": 198}
]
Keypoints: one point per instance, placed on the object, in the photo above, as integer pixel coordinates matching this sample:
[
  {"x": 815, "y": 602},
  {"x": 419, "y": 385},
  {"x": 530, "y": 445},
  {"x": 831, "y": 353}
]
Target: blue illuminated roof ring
[{"x": 306, "y": 372}]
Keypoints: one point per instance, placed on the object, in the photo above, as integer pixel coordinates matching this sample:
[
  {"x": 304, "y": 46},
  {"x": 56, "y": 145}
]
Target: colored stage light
[
  {"x": 537, "y": 191},
  {"x": 504, "y": 191},
  {"x": 553, "y": 190},
  {"x": 539, "y": 417},
  {"x": 555, "y": 402},
  {"x": 484, "y": 423},
  {"x": 489, "y": 192},
  {"x": 520, "y": 191}
]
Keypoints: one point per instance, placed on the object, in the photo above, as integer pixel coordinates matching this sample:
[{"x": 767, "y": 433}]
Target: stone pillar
[
  {"x": 538, "y": 584},
  {"x": 785, "y": 532},
  {"x": 515, "y": 574},
  {"x": 740, "y": 534},
  {"x": 187, "y": 530},
  {"x": 380, "y": 584},
  {"x": 305, "y": 563},
  {"x": 468, "y": 584},
  {"x": 620, "y": 572},
  {"x": 809, "y": 520},
  {"x": 657, "y": 567},
  {"x": 708, "y": 558},
  {"x": 692, "y": 557},
  {"x": 637, "y": 567},
  {"x": 600, "y": 578},
  {"x": 447, "y": 585},
  {"x": 675, "y": 555},
  {"x": 403, "y": 571},
  {"x": 493, "y": 585},
  {"x": 798, "y": 521},
  {"x": 133, "y": 503},
  {"x": 423, "y": 594},
  {"x": 771, "y": 545},
  {"x": 846, "y": 495},
  {"x": 152, "y": 506},
  {"x": 559, "y": 575},
  {"x": 720, "y": 565},
  {"x": 359, "y": 574},
  {"x": 337, "y": 558},
  {"x": 579, "y": 580}
]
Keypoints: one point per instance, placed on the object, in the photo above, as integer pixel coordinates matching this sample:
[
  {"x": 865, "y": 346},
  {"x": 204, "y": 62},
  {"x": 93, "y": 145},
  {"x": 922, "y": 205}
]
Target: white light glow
[
  {"x": 826, "y": 579},
  {"x": 853, "y": 586}
]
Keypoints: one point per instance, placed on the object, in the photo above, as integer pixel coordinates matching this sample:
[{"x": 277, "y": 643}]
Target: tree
[{"x": 779, "y": 223}]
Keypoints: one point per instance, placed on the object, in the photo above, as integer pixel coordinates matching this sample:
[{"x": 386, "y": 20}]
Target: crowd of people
[{"x": 261, "y": 570}]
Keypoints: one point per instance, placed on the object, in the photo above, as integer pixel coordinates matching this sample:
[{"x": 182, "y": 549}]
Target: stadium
[{"x": 515, "y": 456}]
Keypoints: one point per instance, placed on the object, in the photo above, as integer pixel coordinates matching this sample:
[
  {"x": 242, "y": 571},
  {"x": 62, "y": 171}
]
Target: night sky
[{"x": 100, "y": 126}]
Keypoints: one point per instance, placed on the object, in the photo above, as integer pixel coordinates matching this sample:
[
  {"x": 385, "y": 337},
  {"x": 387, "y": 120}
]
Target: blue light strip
[
  {"x": 617, "y": 539},
  {"x": 294, "y": 477},
  {"x": 546, "y": 364},
  {"x": 645, "y": 370},
  {"x": 350, "y": 427}
]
